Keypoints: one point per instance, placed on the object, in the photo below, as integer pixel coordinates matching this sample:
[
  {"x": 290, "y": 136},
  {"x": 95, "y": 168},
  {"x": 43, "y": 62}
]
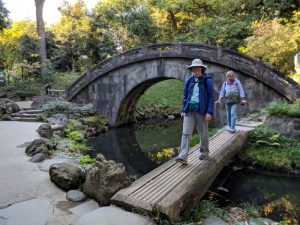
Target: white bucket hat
[{"x": 197, "y": 63}]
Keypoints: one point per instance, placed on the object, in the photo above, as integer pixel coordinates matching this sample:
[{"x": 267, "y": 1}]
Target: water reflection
[
  {"x": 279, "y": 197},
  {"x": 141, "y": 148}
]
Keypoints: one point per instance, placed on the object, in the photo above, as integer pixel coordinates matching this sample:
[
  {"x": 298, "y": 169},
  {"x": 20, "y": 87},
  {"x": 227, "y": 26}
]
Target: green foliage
[
  {"x": 73, "y": 38},
  {"x": 59, "y": 106},
  {"x": 206, "y": 209},
  {"x": 96, "y": 120},
  {"x": 42, "y": 117},
  {"x": 269, "y": 149},
  {"x": 86, "y": 159},
  {"x": 278, "y": 41},
  {"x": 283, "y": 108},
  {"x": 165, "y": 93},
  {"x": 78, "y": 147},
  {"x": 77, "y": 136},
  {"x": 73, "y": 125}
]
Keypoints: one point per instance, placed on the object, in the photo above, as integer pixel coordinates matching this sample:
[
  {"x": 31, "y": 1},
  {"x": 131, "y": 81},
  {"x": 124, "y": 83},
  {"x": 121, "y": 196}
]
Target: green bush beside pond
[
  {"x": 283, "y": 108},
  {"x": 269, "y": 149}
]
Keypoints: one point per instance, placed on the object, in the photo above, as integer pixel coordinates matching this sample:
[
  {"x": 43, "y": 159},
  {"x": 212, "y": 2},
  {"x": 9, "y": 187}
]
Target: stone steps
[
  {"x": 25, "y": 119},
  {"x": 26, "y": 115},
  {"x": 23, "y": 115},
  {"x": 31, "y": 111}
]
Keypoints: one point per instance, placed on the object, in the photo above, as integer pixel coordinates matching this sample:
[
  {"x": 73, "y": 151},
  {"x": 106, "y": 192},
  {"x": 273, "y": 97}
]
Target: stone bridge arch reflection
[{"x": 136, "y": 147}]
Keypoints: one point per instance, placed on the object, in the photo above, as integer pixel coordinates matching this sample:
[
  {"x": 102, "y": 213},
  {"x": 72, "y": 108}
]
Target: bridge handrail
[{"x": 163, "y": 49}]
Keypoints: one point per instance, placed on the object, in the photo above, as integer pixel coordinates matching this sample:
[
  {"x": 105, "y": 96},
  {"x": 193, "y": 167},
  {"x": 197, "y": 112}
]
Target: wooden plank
[
  {"x": 155, "y": 173},
  {"x": 189, "y": 192},
  {"x": 171, "y": 188}
]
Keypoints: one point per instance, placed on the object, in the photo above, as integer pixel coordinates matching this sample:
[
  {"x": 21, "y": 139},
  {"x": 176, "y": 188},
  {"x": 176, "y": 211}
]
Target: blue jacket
[{"x": 206, "y": 94}]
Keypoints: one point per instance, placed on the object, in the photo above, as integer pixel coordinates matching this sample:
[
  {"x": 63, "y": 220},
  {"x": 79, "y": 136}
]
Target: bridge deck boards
[{"x": 172, "y": 187}]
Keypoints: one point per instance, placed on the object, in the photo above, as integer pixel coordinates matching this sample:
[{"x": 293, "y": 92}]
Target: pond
[
  {"x": 143, "y": 147},
  {"x": 279, "y": 197}
]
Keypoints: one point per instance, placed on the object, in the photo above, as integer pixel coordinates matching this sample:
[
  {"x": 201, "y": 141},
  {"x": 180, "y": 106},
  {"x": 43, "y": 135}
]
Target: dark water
[
  {"x": 279, "y": 197},
  {"x": 141, "y": 148}
]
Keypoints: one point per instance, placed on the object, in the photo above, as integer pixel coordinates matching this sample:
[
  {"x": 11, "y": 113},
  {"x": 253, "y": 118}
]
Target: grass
[
  {"x": 283, "y": 108},
  {"x": 166, "y": 93},
  {"x": 269, "y": 149},
  {"x": 207, "y": 208}
]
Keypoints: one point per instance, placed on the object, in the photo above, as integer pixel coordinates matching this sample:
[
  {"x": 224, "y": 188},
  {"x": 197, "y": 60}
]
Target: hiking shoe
[
  {"x": 182, "y": 161},
  {"x": 232, "y": 131},
  {"x": 203, "y": 156}
]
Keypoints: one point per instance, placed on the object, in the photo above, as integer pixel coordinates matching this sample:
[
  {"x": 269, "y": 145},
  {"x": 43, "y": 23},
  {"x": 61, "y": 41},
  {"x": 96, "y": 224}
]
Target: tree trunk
[{"x": 39, "y": 4}]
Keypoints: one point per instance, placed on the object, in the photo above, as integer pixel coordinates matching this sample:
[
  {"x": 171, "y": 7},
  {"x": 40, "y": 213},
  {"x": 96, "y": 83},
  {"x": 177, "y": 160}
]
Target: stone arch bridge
[{"x": 115, "y": 84}]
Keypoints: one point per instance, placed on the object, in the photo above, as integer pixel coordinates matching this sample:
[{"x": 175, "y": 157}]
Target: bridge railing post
[{"x": 179, "y": 48}]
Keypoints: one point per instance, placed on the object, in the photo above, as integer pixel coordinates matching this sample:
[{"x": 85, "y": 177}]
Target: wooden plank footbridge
[{"x": 173, "y": 189}]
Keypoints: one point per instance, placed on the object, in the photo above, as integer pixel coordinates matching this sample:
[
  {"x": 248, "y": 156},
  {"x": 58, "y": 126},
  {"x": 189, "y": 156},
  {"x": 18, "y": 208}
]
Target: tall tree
[
  {"x": 3, "y": 16},
  {"x": 39, "y": 4}
]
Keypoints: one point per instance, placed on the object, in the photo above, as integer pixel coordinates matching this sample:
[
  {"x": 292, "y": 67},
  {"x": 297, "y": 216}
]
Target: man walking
[{"x": 197, "y": 108}]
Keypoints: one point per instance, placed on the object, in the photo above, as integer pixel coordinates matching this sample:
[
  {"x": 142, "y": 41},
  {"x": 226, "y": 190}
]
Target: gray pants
[{"x": 189, "y": 121}]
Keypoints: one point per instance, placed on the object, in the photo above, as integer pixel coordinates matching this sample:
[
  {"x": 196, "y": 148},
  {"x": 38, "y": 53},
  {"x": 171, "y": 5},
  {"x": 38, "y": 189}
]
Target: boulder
[
  {"x": 58, "y": 121},
  {"x": 76, "y": 196},
  {"x": 85, "y": 110},
  {"x": 66, "y": 176},
  {"x": 37, "y": 158},
  {"x": 45, "y": 131},
  {"x": 288, "y": 126},
  {"x": 7, "y": 106},
  {"x": 12, "y": 107},
  {"x": 104, "y": 179},
  {"x": 41, "y": 145},
  {"x": 39, "y": 101}
]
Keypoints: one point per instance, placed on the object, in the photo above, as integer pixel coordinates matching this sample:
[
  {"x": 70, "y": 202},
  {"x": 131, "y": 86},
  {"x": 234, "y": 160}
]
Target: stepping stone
[
  {"x": 45, "y": 165},
  {"x": 31, "y": 212},
  {"x": 84, "y": 208},
  {"x": 112, "y": 215},
  {"x": 37, "y": 158},
  {"x": 76, "y": 196}
]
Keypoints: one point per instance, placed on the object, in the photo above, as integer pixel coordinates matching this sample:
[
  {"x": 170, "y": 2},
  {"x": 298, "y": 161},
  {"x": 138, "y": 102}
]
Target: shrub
[
  {"x": 86, "y": 159},
  {"x": 76, "y": 136},
  {"x": 42, "y": 117},
  {"x": 78, "y": 147},
  {"x": 206, "y": 209},
  {"x": 58, "y": 106},
  {"x": 269, "y": 149},
  {"x": 281, "y": 108}
]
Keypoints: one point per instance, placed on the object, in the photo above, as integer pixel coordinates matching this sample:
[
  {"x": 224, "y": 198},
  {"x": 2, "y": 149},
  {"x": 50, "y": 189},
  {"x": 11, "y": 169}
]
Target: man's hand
[
  {"x": 182, "y": 115},
  {"x": 218, "y": 101},
  {"x": 208, "y": 117}
]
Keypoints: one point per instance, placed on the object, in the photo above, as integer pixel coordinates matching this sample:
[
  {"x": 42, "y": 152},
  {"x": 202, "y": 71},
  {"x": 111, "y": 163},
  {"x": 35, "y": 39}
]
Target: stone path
[
  {"x": 27, "y": 196},
  {"x": 23, "y": 186}
]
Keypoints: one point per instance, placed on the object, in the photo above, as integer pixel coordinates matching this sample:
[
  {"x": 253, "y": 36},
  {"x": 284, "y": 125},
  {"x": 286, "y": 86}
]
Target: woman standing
[
  {"x": 197, "y": 109},
  {"x": 233, "y": 94}
]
